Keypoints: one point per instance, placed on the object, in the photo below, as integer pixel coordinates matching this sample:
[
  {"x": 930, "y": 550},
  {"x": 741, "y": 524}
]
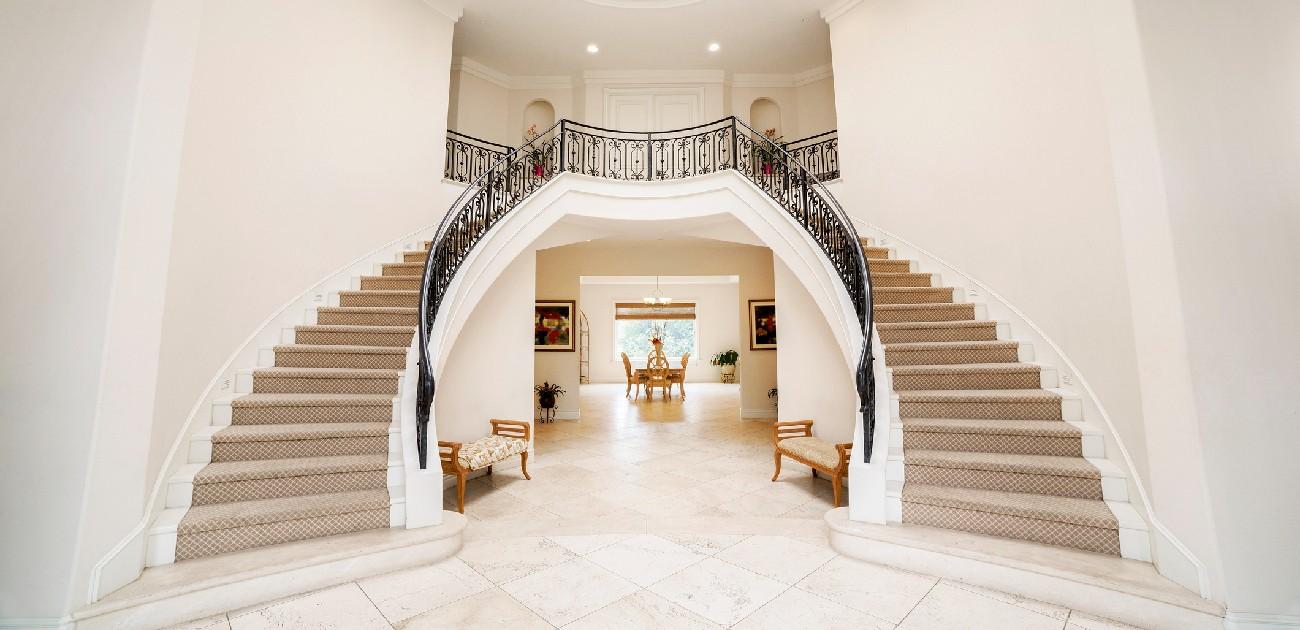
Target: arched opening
[
  {"x": 765, "y": 114},
  {"x": 539, "y": 115}
]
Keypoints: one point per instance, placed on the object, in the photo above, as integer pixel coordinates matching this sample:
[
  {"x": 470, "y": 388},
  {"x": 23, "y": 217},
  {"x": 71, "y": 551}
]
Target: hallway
[{"x": 652, "y": 514}]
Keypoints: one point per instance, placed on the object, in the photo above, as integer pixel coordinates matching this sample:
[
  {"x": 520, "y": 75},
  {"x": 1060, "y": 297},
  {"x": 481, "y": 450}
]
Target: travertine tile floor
[{"x": 652, "y": 514}]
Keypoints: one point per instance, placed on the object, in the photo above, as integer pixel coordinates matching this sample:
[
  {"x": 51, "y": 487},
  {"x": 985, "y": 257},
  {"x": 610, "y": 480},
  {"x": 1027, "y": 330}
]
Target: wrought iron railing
[
  {"x": 570, "y": 147},
  {"x": 469, "y": 157},
  {"x": 820, "y": 154}
]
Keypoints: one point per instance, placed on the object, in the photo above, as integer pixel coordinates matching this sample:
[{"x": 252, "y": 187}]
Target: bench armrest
[
  {"x": 450, "y": 458},
  {"x": 844, "y": 454},
  {"x": 512, "y": 428},
  {"x": 793, "y": 428}
]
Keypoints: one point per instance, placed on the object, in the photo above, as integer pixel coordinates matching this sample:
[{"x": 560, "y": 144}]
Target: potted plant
[
  {"x": 769, "y": 151},
  {"x": 547, "y": 394},
  {"x": 727, "y": 360},
  {"x": 536, "y": 157}
]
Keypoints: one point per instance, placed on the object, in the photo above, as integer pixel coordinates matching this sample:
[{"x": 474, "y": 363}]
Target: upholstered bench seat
[
  {"x": 795, "y": 440},
  {"x": 810, "y": 449},
  {"x": 490, "y": 450},
  {"x": 509, "y": 438}
]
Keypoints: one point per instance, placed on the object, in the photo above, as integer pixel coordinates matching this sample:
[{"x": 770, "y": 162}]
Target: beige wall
[
  {"x": 717, "y": 307},
  {"x": 72, "y": 71},
  {"x": 1225, "y": 90},
  {"x": 813, "y": 382},
  {"x": 309, "y": 143},
  {"x": 558, "y": 270},
  {"x": 816, "y": 104},
  {"x": 481, "y": 109}
]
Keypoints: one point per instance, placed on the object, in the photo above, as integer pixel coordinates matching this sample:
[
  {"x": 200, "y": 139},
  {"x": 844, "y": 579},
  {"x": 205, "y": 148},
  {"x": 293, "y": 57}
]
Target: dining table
[{"x": 674, "y": 375}]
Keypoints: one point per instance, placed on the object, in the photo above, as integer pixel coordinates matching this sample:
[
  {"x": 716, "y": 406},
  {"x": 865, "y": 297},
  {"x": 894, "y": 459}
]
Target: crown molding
[
  {"x": 794, "y": 80},
  {"x": 448, "y": 9},
  {"x": 838, "y": 9},
  {"x": 643, "y": 4},
  {"x": 503, "y": 80},
  {"x": 642, "y": 77}
]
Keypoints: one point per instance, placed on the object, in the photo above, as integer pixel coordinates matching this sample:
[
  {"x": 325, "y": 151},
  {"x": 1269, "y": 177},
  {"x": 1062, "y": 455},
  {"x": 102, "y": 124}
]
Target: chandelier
[{"x": 658, "y": 299}]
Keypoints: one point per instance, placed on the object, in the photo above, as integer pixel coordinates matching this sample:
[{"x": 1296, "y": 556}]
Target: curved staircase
[
  {"x": 988, "y": 444},
  {"x": 310, "y": 447}
]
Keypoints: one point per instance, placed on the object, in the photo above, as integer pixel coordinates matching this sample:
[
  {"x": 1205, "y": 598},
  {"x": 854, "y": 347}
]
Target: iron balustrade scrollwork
[
  {"x": 571, "y": 147},
  {"x": 820, "y": 154},
  {"x": 469, "y": 157}
]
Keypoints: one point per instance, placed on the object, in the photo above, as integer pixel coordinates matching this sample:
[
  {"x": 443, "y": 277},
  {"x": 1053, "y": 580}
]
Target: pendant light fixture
[{"x": 658, "y": 299}]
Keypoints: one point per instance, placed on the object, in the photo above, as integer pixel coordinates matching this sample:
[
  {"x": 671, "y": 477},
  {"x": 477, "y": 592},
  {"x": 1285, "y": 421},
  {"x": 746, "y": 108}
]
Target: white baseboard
[
  {"x": 568, "y": 415},
  {"x": 762, "y": 413},
  {"x": 1259, "y": 621},
  {"x": 32, "y": 623}
]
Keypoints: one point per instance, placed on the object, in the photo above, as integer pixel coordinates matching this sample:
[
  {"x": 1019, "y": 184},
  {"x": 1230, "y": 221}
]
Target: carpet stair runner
[
  {"x": 306, "y": 454},
  {"x": 986, "y": 449}
]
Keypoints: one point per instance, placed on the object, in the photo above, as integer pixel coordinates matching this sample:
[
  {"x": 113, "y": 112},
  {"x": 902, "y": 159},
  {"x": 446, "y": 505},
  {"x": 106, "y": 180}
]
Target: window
[{"x": 636, "y": 323}]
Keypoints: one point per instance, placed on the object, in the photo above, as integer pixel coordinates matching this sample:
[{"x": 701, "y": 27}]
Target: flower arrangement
[
  {"x": 769, "y": 151},
  {"x": 656, "y": 341},
  {"x": 536, "y": 157}
]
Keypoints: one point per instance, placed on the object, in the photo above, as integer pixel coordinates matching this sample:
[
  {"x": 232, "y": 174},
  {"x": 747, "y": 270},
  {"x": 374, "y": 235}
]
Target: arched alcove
[
  {"x": 764, "y": 114},
  {"x": 539, "y": 112}
]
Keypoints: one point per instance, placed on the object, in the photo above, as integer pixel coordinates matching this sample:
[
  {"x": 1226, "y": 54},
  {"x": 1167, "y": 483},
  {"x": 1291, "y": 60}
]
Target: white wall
[
  {"x": 559, "y": 268},
  {"x": 481, "y": 108},
  {"x": 476, "y": 385},
  {"x": 816, "y": 107},
  {"x": 812, "y": 384},
  {"x": 1225, "y": 90},
  {"x": 72, "y": 72},
  {"x": 717, "y": 307}
]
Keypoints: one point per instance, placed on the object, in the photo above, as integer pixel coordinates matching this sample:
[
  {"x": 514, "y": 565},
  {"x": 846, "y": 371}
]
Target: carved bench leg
[
  {"x": 523, "y": 464},
  {"x": 460, "y": 493},
  {"x": 777, "y": 458},
  {"x": 835, "y": 486}
]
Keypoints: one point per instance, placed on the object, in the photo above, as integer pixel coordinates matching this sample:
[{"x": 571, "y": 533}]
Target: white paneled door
[{"x": 652, "y": 110}]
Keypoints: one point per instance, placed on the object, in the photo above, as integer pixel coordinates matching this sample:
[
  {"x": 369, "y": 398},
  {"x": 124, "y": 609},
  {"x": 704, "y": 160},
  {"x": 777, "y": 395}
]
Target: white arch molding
[
  {"x": 538, "y": 112},
  {"x": 764, "y": 114},
  {"x": 569, "y": 194}
]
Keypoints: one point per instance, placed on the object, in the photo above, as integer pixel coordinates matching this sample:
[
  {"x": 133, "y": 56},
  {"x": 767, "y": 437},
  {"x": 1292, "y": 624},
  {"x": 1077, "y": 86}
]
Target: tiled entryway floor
[{"x": 652, "y": 514}]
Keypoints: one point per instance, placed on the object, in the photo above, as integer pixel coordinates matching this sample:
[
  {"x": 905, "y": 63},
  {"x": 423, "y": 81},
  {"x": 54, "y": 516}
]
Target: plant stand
[{"x": 547, "y": 414}]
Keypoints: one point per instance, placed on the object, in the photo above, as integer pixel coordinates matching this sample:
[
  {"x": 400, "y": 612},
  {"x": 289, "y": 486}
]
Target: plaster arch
[
  {"x": 765, "y": 113},
  {"x": 569, "y": 194},
  {"x": 539, "y": 112}
]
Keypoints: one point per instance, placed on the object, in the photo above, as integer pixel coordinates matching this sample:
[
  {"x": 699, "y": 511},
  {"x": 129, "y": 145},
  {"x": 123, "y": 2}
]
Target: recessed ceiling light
[
  {"x": 593, "y": 49},
  {"x": 715, "y": 47}
]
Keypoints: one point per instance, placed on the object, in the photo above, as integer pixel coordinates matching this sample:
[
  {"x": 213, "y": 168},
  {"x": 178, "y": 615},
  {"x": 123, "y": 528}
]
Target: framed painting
[
  {"x": 762, "y": 324},
  {"x": 553, "y": 326}
]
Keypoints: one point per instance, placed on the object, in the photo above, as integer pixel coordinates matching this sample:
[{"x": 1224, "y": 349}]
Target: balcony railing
[
  {"x": 571, "y": 147},
  {"x": 820, "y": 154},
  {"x": 469, "y": 157}
]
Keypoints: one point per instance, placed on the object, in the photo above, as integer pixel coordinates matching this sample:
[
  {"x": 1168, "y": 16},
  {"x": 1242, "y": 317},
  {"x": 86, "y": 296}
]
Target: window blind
[{"x": 641, "y": 310}]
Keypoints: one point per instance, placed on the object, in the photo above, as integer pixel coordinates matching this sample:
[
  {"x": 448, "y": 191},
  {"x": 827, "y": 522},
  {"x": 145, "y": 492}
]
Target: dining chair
[
  {"x": 657, "y": 373},
  {"x": 679, "y": 377},
  {"x": 632, "y": 377}
]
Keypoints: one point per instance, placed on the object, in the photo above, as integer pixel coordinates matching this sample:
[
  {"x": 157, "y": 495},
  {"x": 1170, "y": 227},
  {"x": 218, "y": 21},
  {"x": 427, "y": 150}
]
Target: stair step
[
  {"x": 885, "y": 279},
  {"x": 296, "y": 380},
  {"x": 911, "y": 295},
  {"x": 222, "y": 528},
  {"x": 1005, "y": 404},
  {"x": 1037, "y": 474},
  {"x": 888, "y": 265},
  {"x": 986, "y": 376},
  {"x": 368, "y": 316},
  {"x": 912, "y": 332},
  {"x": 1024, "y": 437},
  {"x": 283, "y": 441},
  {"x": 865, "y": 241},
  {"x": 372, "y": 283},
  {"x": 951, "y": 352},
  {"x": 340, "y": 356},
  {"x": 1063, "y": 521},
  {"x": 877, "y": 253},
  {"x": 403, "y": 269},
  {"x": 352, "y": 335},
  {"x": 379, "y": 298},
  {"x": 943, "y": 312},
  {"x": 287, "y": 409},
  {"x": 415, "y": 256},
  {"x": 228, "y": 482}
]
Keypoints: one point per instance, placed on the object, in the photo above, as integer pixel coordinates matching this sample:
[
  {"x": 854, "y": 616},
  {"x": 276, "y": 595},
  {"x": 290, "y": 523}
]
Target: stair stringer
[{"x": 1120, "y": 482}]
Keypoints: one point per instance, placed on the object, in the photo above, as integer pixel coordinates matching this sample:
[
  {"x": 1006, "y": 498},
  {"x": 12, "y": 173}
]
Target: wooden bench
[
  {"x": 508, "y": 438},
  {"x": 795, "y": 440}
]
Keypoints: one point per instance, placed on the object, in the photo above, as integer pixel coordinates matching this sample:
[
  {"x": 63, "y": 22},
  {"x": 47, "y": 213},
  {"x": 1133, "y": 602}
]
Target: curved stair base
[
  {"x": 1128, "y": 591},
  {"x": 176, "y": 593}
]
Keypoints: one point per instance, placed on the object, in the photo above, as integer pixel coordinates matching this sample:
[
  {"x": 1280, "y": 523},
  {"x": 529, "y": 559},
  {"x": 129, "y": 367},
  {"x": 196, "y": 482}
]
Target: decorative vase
[
  {"x": 547, "y": 401},
  {"x": 539, "y": 169},
  {"x": 729, "y": 373},
  {"x": 767, "y": 168}
]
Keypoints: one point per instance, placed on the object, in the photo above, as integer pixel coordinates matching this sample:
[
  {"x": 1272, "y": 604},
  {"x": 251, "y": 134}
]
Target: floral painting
[
  {"x": 553, "y": 326},
  {"x": 762, "y": 324}
]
